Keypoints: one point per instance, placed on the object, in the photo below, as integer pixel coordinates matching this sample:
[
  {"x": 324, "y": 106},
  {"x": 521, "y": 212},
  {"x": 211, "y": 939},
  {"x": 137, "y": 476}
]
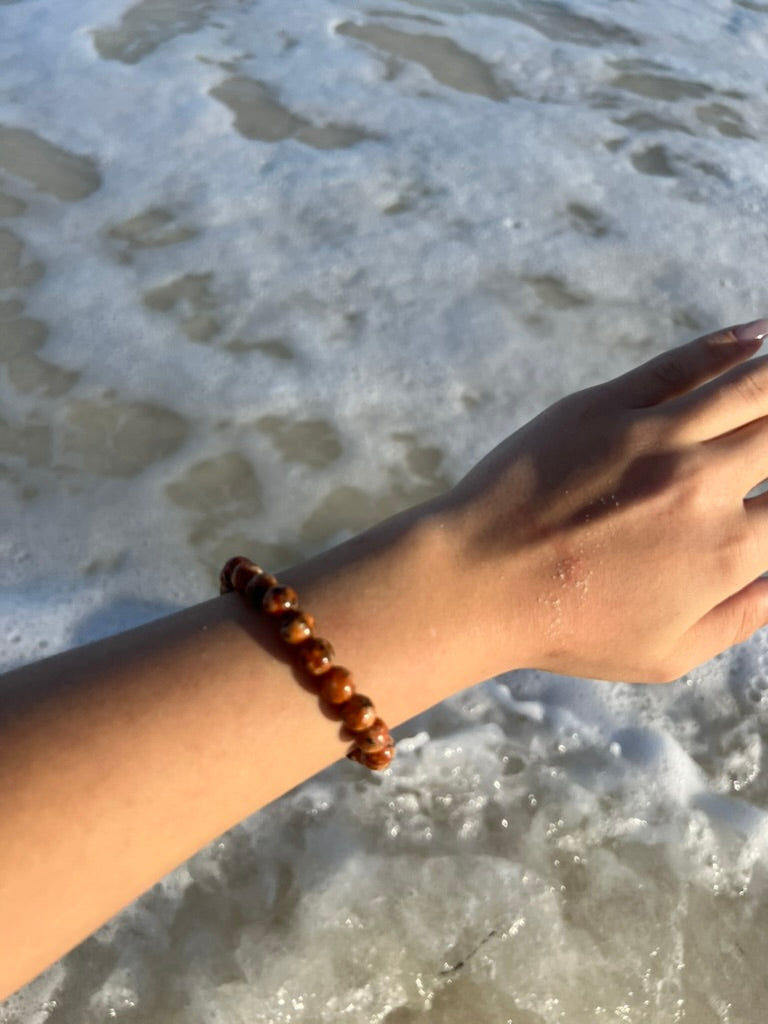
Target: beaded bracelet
[{"x": 373, "y": 746}]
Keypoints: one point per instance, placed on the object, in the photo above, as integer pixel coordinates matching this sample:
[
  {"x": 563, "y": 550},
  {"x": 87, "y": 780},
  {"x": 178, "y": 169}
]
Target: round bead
[
  {"x": 243, "y": 572},
  {"x": 225, "y": 576},
  {"x": 337, "y": 685},
  {"x": 296, "y": 627},
  {"x": 316, "y": 655},
  {"x": 374, "y": 747},
  {"x": 374, "y": 739},
  {"x": 358, "y": 713},
  {"x": 280, "y": 598},
  {"x": 257, "y": 586},
  {"x": 379, "y": 759}
]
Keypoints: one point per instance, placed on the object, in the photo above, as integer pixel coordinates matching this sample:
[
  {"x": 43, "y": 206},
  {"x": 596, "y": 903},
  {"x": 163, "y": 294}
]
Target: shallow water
[{"x": 270, "y": 272}]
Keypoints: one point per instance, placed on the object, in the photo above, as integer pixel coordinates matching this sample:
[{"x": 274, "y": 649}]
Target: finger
[
  {"x": 678, "y": 371},
  {"x": 731, "y": 622},
  {"x": 735, "y": 399}
]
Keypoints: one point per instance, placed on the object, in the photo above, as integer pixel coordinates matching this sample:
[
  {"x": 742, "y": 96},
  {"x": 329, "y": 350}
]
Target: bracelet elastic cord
[{"x": 372, "y": 744}]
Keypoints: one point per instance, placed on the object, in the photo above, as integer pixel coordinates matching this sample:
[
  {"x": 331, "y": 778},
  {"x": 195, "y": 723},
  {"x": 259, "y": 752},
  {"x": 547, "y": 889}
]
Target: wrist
[
  {"x": 493, "y": 602},
  {"x": 390, "y": 601}
]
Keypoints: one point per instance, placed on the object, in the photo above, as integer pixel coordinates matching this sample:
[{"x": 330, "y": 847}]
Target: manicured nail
[{"x": 754, "y": 331}]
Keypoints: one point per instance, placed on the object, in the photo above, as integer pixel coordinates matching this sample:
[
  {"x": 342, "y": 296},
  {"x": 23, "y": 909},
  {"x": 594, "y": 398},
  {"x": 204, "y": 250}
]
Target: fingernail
[{"x": 756, "y": 330}]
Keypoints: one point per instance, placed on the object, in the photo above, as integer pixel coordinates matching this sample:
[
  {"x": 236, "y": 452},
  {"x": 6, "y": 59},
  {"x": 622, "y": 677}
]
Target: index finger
[{"x": 684, "y": 368}]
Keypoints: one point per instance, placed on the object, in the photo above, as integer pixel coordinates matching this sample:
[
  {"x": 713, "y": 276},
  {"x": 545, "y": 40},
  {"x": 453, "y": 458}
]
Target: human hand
[{"x": 610, "y": 537}]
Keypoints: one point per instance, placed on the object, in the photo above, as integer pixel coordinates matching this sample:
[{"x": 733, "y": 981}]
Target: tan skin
[{"x": 608, "y": 538}]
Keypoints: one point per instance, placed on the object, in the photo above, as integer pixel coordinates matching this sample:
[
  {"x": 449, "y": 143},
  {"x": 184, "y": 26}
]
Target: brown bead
[
  {"x": 243, "y": 572},
  {"x": 296, "y": 627},
  {"x": 280, "y": 598},
  {"x": 379, "y": 759},
  {"x": 256, "y": 587},
  {"x": 373, "y": 739},
  {"x": 337, "y": 685},
  {"x": 316, "y": 655},
  {"x": 358, "y": 713},
  {"x": 225, "y": 576}
]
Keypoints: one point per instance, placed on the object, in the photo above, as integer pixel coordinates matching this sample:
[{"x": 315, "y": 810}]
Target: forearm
[
  {"x": 121, "y": 759},
  {"x": 609, "y": 538}
]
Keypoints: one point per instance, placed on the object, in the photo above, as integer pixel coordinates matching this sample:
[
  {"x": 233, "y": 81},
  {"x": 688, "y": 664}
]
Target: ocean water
[{"x": 271, "y": 271}]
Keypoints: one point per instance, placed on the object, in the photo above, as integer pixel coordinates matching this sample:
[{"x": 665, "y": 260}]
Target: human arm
[{"x": 120, "y": 759}]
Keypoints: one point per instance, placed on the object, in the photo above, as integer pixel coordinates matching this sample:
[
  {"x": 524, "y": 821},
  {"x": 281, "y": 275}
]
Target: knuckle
[
  {"x": 746, "y": 621},
  {"x": 640, "y": 433},
  {"x": 646, "y": 432},
  {"x": 655, "y": 429},
  {"x": 751, "y": 385},
  {"x": 693, "y": 473},
  {"x": 668, "y": 371}
]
